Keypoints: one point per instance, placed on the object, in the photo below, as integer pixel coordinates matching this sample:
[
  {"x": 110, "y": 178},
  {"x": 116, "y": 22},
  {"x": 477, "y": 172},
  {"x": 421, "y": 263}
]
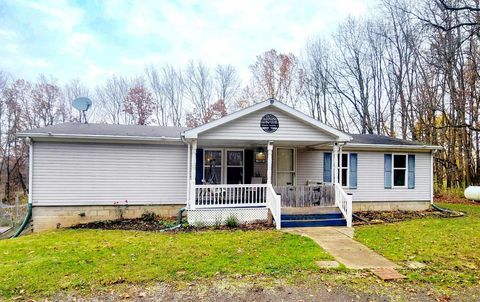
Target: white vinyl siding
[
  {"x": 248, "y": 128},
  {"x": 101, "y": 174},
  {"x": 370, "y": 174},
  {"x": 309, "y": 166}
]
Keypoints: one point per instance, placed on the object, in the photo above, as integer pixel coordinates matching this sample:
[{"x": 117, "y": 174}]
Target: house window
[
  {"x": 343, "y": 169},
  {"x": 212, "y": 166},
  {"x": 235, "y": 160},
  {"x": 285, "y": 167},
  {"x": 399, "y": 170}
]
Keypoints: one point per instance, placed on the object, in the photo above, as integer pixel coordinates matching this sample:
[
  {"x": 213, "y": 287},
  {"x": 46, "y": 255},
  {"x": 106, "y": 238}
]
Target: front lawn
[
  {"x": 450, "y": 247},
  {"x": 42, "y": 264}
]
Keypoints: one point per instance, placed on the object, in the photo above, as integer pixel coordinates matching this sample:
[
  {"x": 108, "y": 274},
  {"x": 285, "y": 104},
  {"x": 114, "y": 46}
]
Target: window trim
[
  {"x": 347, "y": 167},
  {"x": 226, "y": 166},
  {"x": 221, "y": 163},
  {"x": 393, "y": 170}
]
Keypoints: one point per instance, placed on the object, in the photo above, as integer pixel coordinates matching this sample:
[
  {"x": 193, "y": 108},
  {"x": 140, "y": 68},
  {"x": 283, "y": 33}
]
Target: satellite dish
[{"x": 82, "y": 104}]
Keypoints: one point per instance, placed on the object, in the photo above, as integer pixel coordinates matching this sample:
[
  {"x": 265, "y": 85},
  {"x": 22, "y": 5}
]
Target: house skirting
[
  {"x": 359, "y": 206},
  {"x": 209, "y": 217},
  {"x": 52, "y": 217}
]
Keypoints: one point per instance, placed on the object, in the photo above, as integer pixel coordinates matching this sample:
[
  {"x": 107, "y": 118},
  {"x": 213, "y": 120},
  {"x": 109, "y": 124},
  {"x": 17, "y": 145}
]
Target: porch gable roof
[{"x": 337, "y": 134}]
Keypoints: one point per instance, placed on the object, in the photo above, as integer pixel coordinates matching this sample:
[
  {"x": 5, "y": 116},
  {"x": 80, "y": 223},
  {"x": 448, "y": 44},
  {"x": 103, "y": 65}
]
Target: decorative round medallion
[{"x": 269, "y": 123}]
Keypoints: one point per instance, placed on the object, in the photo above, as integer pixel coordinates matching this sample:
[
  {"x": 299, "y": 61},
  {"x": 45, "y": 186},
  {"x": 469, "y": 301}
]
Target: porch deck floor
[
  {"x": 309, "y": 210},
  {"x": 339, "y": 242}
]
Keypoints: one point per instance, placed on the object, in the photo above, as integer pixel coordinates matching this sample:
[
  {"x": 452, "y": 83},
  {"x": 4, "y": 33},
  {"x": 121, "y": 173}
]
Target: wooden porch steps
[{"x": 312, "y": 217}]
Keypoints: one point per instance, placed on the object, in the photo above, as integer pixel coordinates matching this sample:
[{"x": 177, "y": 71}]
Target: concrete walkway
[
  {"x": 339, "y": 242},
  {"x": 3, "y": 229}
]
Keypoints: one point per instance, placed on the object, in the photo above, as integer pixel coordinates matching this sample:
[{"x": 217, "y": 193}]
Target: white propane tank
[{"x": 472, "y": 192}]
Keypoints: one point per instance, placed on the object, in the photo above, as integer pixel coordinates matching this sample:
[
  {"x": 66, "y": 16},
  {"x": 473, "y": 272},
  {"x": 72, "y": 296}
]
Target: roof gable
[{"x": 293, "y": 113}]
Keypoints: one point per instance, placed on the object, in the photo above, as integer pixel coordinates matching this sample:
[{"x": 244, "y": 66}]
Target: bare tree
[
  {"x": 139, "y": 105},
  {"x": 227, "y": 83},
  {"x": 46, "y": 101},
  {"x": 111, "y": 97},
  {"x": 351, "y": 78},
  {"x": 316, "y": 64},
  {"x": 433, "y": 14},
  {"x": 72, "y": 90},
  {"x": 173, "y": 91},
  {"x": 13, "y": 149},
  {"x": 276, "y": 75},
  {"x": 402, "y": 57},
  {"x": 161, "y": 105},
  {"x": 198, "y": 88}
]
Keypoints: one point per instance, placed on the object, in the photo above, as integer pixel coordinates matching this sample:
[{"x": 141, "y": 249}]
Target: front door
[
  {"x": 285, "y": 166},
  {"x": 235, "y": 166}
]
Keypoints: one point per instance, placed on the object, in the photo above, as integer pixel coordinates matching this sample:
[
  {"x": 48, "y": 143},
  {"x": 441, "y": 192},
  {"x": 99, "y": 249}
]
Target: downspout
[
  {"x": 25, "y": 222},
  {"x": 188, "y": 173},
  {"x": 179, "y": 221}
]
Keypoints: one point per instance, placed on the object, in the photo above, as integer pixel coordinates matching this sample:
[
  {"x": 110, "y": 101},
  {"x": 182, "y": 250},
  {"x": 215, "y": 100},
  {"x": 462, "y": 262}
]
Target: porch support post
[
  {"x": 340, "y": 164},
  {"x": 335, "y": 164},
  {"x": 269, "y": 162},
  {"x": 189, "y": 157},
  {"x": 193, "y": 171}
]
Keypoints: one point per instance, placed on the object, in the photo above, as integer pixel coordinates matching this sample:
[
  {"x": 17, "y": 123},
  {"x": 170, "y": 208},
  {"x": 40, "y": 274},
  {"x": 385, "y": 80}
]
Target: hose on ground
[
  {"x": 448, "y": 211},
  {"x": 179, "y": 221},
  {"x": 24, "y": 224}
]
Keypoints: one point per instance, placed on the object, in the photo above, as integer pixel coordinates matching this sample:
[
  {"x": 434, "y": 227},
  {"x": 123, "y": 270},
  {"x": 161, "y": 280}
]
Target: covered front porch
[
  {"x": 257, "y": 179},
  {"x": 247, "y": 165}
]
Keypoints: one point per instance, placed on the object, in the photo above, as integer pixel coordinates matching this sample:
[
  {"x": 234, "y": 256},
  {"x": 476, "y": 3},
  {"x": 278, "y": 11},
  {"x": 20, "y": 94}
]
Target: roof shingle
[
  {"x": 374, "y": 139},
  {"x": 109, "y": 130}
]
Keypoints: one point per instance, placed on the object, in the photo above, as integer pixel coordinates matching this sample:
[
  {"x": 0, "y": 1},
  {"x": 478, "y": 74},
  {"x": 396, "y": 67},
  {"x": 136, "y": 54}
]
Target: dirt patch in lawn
[
  {"x": 450, "y": 198},
  {"x": 162, "y": 225},
  {"x": 226, "y": 292},
  {"x": 376, "y": 217},
  {"x": 256, "y": 290}
]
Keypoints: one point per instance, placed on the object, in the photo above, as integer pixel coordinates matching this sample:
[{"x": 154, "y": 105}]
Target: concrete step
[
  {"x": 314, "y": 223},
  {"x": 312, "y": 216}
]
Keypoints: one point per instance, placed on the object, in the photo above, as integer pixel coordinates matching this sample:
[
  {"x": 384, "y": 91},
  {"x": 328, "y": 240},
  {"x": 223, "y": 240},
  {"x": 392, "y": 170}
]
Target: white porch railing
[
  {"x": 221, "y": 196},
  {"x": 264, "y": 195},
  {"x": 275, "y": 206},
  {"x": 344, "y": 202}
]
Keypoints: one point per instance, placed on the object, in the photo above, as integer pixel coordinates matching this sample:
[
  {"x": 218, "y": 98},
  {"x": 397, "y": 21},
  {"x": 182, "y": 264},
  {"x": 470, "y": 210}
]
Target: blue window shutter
[
  {"x": 327, "y": 167},
  {"x": 388, "y": 170},
  {"x": 353, "y": 170},
  {"x": 248, "y": 166},
  {"x": 411, "y": 171},
  {"x": 199, "y": 167}
]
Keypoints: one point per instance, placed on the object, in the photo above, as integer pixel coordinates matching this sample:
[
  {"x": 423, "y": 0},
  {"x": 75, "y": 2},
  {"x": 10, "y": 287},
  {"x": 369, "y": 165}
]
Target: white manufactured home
[{"x": 268, "y": 160}]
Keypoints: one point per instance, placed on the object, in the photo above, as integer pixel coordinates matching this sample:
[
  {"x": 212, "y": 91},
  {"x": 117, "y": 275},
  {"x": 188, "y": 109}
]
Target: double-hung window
[
  {"x": 235, "y": 166},
  {"x": 399, "y": 168},
  {"x": 212, "y": 166}
]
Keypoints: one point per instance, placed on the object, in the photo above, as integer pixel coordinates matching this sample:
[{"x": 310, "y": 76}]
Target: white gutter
[
  {"x": 100, "y": 136},
  {"x": 386, "y": 146}
]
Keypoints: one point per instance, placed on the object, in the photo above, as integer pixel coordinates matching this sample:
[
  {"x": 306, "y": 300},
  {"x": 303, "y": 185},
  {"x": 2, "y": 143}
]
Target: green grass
[
  {"x": 42, "y": 264},
  {"x": 449, "y": 246}
]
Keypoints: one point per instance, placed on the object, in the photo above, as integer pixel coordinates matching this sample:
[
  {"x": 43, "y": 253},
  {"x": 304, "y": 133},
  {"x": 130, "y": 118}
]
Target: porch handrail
[
  {"x": 274, "y": 203},
  {"x": 228, "y": 195},
  {"x": 344, "y": 202},
  {"x": 231, "y": 186}
]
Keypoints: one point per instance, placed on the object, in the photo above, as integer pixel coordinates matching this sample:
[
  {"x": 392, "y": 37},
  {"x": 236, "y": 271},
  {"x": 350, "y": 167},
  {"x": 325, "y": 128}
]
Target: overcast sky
[{"x": 91, "y": 40}]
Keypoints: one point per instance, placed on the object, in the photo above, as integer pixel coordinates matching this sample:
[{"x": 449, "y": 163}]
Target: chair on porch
[
  {"x": 257, "y": 180},
  {"x": 218, "y": 193}
]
